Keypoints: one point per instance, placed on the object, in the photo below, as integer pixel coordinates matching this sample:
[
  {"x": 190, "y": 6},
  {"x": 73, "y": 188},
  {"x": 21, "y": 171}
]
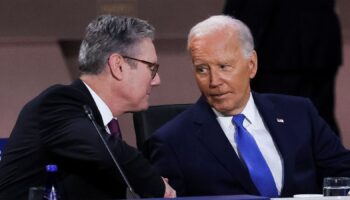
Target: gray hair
[
  {"x": 109, "y": 34},
  {"x": 219, "y": 22}
]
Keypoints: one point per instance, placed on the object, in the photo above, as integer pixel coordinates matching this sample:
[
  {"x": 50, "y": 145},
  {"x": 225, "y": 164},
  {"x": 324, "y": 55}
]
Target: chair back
[
  {"x": 147, "y": 122},
  {"x": 3, "y": 141}
]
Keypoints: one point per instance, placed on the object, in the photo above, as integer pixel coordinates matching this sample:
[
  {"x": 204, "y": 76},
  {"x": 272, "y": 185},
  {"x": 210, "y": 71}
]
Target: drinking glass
[
  {"x": 336, "y": 186},
  {"x": 36, "y": 193}
]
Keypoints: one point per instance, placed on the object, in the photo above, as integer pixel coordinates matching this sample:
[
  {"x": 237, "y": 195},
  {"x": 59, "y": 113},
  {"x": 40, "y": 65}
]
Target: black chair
[
  {"x": 3, "y": 142},
  {"x": 147, "y": 122}
]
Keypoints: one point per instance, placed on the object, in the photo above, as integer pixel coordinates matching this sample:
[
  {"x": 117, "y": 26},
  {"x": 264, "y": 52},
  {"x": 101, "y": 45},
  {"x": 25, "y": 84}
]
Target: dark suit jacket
[
  {"x": 53, "y": 128},
  {"x": 300, "y": 35},
  {"x": 194, "y": 153}
]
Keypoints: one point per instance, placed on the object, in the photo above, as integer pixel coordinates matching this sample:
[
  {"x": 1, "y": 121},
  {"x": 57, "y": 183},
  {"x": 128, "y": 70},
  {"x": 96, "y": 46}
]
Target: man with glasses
[
  {"x": 152, "y": 66},
  {"x": 118, "y": 65}
]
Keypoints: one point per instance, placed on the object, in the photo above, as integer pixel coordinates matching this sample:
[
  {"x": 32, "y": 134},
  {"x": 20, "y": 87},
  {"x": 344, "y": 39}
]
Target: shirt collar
[
  {"x": 102, "y": 107},
  {"x": 250, "y": 111}
]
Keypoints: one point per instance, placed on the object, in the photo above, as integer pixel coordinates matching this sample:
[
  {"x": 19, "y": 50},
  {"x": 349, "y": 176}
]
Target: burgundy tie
[{"x": 113, "y": 126}]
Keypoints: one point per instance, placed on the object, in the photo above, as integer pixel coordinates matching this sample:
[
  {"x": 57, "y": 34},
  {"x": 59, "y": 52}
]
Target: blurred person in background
[{"x": 299, "y": 48}]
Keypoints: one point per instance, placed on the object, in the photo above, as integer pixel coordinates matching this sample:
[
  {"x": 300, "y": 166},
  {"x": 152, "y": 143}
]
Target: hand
[{"x": 169, "y": 191}]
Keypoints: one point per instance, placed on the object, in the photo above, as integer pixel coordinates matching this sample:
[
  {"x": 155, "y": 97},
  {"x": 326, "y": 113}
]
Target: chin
[
  {"x": 222, "y": 108},
  {"x": 143, "y": 106},
  {"x": 138, "y": 108}
]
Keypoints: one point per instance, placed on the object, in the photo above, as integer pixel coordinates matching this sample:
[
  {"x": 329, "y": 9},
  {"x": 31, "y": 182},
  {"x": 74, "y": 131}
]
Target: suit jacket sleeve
[
  {"x": 71, "y": 139},
  {"x": 332, "y": 159},
  {"x": 164, "y": 158}
]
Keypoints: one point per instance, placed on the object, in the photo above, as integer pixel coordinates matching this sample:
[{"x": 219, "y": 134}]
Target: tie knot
[
  {"x": 238, "y": 119},
  {"x": 113, "y": 126}
]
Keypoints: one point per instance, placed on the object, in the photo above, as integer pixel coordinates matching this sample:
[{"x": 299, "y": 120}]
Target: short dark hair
[{"x": 109, "y": 34}]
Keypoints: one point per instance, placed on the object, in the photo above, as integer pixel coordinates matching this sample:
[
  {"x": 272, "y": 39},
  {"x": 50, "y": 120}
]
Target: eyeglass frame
[{"x": 153, "y": 67}]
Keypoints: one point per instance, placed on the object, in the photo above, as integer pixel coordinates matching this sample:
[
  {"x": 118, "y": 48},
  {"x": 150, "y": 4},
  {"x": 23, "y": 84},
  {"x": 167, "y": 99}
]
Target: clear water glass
[
  {"x": 336, "y": 186},
  {"x": 36, "y": 193}
]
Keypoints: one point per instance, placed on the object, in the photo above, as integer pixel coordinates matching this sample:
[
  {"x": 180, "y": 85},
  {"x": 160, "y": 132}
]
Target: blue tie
[{"x": 253, "y": 159}]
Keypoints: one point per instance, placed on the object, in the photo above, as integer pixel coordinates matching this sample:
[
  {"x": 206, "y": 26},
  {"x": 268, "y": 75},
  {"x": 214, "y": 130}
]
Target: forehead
[{"x": 217, "y": 45}]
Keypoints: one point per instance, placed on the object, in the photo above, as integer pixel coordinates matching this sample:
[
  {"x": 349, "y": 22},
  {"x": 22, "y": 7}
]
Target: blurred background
[{"x": 39, "y": 43}]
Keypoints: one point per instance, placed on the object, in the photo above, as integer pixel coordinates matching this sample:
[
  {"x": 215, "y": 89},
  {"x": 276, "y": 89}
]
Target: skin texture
[
  {"x": 136, "y": 80},
  {"x": 125, "y": 87},
  {"x": 221, "y": 70}
]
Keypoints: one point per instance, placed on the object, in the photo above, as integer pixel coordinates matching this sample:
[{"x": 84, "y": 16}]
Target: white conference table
[
  {"x": 314, "y": 198},
  {"x": 250, "y": 197}
]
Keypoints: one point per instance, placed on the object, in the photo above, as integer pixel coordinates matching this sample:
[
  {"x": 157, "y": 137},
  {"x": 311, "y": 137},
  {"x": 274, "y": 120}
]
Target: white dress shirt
[
  {"x": 102, "y": 107},
  {"x": 256, "y": 127}
]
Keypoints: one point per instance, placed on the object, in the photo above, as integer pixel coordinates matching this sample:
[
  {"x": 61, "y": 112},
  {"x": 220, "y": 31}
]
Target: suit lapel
[
  {"x": 278, "y": 126},
  {"x": 212, "y": 136},
  {"x": 79, "y": 85}
]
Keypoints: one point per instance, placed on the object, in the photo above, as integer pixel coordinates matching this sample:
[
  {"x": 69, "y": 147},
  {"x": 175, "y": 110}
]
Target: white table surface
[{"x": 313, "y": 198}]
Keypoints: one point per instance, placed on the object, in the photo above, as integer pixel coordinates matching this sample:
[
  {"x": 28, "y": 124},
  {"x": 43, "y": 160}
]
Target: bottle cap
[{"x": 51, "y": 168}]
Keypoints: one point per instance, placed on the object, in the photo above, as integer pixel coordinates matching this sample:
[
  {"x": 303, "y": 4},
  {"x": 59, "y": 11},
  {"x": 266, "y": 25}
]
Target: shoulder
[
  {"x": 185, "y": 123},
  {"x": 65, "y": 93},
  {"x": 57, "y": 99},
  {"x": 59, "y": 93},
  {"x": 292, "y": 106},
  {"x": 177, "y": 125},
  {"x": 281, "y": 99}
]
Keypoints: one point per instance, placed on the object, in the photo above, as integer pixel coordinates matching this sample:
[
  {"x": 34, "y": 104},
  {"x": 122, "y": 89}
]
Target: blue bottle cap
[{"x": 51, "y": 168}]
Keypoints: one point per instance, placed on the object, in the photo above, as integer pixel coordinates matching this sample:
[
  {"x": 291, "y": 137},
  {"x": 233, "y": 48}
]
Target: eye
[
  {"x": 202, "y": 69},
  {"x": 225, "y": 67},
  {"x": 152, "y": 67}
]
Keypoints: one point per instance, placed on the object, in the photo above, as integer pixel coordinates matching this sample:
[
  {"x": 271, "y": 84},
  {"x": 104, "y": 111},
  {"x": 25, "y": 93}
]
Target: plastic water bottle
[{"x": 51, "y": 189}]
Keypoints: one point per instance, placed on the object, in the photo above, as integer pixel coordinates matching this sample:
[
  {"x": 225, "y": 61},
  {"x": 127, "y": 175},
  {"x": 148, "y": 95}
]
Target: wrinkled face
[
  {"x": 140, "y": 82},
  {"x": 221, "y": 71}
]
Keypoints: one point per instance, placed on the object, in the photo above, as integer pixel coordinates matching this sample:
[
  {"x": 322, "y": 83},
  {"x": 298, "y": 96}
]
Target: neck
[{"x": 107, "y": 90}]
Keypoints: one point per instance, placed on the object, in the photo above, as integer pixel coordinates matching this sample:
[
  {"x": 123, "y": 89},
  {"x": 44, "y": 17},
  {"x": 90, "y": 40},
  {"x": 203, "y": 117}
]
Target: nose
[
  {"x": 156, "y": 80},
  {"x": 215, "y": 79}
]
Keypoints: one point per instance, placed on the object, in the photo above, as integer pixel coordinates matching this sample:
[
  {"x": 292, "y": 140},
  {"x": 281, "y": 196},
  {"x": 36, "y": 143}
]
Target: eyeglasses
[{"x": 152, "y": 66}]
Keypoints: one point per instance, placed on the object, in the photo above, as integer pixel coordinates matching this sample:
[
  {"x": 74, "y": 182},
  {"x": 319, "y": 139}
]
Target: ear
[
  {"x": 115, "y": 65},
  {"x": 253, "y": 64}
]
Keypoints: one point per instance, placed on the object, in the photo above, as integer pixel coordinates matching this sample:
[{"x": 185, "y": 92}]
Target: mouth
[{"x": 218, "y": 96}]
